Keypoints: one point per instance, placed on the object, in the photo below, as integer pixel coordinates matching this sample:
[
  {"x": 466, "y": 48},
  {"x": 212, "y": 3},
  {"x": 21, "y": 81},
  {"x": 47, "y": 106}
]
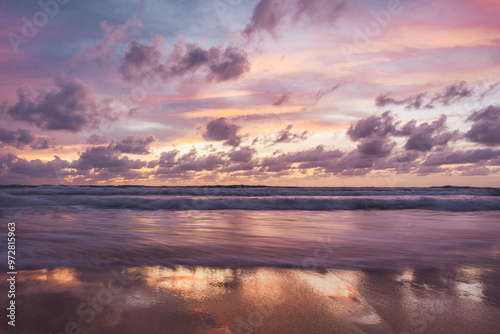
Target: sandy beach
[{"x": 461, "y": 299}]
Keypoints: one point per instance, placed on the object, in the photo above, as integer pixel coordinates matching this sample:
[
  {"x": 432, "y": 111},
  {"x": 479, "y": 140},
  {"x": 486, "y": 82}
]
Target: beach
[
  {"x": 462, "y": 299},
  {"x": 172, "y": 260}
]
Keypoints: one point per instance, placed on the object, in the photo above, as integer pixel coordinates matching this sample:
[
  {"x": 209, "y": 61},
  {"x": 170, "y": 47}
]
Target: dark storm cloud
[
  {"x": 134, "y": 144},
  {"x": 71, "y": 105},
  {"x": 450, "y": 94},
  {"x": 220, "y": 64},
  {"x": 486, "y": 126},
  {"x": 222, "y": 129},
  {"x": 21, "y": 138}
]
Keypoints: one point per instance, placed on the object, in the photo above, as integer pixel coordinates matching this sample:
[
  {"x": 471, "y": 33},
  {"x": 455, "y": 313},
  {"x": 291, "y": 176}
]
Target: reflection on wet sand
[{"x": 261, "y": 300}]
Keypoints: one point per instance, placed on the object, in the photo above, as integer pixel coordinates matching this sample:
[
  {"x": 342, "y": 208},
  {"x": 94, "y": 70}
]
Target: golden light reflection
[
  {"x": 217, "y": 300},
  {"x": 59, "y": 276}
]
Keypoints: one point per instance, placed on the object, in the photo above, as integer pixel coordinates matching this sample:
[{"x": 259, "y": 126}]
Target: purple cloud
[
  {"x": 219, "y": 64},
  {"x": 222, "y": 130},
  {"x": 486, "y": 126},
  {"x": 21, "y": 138},
  {"x": 71, "y": 105},
  {"x": 134, "y": 144}
]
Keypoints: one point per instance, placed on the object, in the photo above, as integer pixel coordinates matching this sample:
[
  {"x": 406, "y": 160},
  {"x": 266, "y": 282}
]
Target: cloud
[
  {"x": 222, "y": 130},
  {"x": 325, "y": 91},
  {"x": 12, "y": 168},
  {"x": 473, "y": 171},
  {"x": 227, "y": 64},
  {"x": 103, "y": 51},
  {"x": 317, "y": 10},
  {"x": 412, "y": 102},
  {"x": 173, "y": 165},
  {"x": 21, "y": 138},
  {"x": 18, "y": 138},
  {"x": 142, "y": 61},
  {"x": 219, "y": 64},
  {"x": 105, "y": 158},
  {"x": 374, "y": 131},
  {"x": 282, "y": 99},
  {"x": 97, "y": 139},
  {"x": 243, "y": 155},
  {"x": 374, "y": 125},
  {"x": 71, "y": 105},
  {"x": 134, "y": 144},
  {"x": 268, "y": 15},
  {"x": 425, "y": 136},
  {"x": 486, "y": 126},
  {"x": 379, "y": 147},
  {"x": 313, "y": 158},
  {"x": 461, "y": 157},
  {"x": 450, "y": 94},
  {"x": 43, "y": 142},
  {"x": 285, "y": 136}
]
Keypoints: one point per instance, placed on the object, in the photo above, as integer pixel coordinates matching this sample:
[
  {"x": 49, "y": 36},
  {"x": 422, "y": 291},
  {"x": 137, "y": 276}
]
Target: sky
[{"x": 271, "y": 92}]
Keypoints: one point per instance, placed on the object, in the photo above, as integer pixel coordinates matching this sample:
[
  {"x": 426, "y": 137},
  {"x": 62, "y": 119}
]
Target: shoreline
[{"x": 258, "y": 300}]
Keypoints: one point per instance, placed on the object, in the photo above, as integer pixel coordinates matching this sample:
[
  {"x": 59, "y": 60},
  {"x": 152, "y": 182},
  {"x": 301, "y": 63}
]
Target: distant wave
[
  {"x": 439, "y": 203},
  {"x": 253, "y": 191}
]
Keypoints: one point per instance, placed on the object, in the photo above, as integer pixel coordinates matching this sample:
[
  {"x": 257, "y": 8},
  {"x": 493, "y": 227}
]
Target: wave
[
  {"x": 439, "y": 203},
  {"x": 241, "y": 190}
]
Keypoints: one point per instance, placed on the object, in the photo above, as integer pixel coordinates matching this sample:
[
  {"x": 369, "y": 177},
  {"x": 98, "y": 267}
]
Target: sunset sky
[{"x": 271, "y": 92}]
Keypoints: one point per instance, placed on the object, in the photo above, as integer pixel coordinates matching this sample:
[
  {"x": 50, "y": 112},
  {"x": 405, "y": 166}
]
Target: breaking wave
[{"x": 252, "y": 198}]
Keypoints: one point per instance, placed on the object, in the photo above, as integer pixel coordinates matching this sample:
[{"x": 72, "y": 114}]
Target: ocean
[
  {"x": 244, "y": 259},
  {"x": 93, "y": 226}
]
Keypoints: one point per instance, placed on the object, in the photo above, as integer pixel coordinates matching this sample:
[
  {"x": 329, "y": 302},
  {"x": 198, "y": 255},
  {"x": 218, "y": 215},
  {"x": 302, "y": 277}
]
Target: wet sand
[{"x": 458, "y": 299}]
